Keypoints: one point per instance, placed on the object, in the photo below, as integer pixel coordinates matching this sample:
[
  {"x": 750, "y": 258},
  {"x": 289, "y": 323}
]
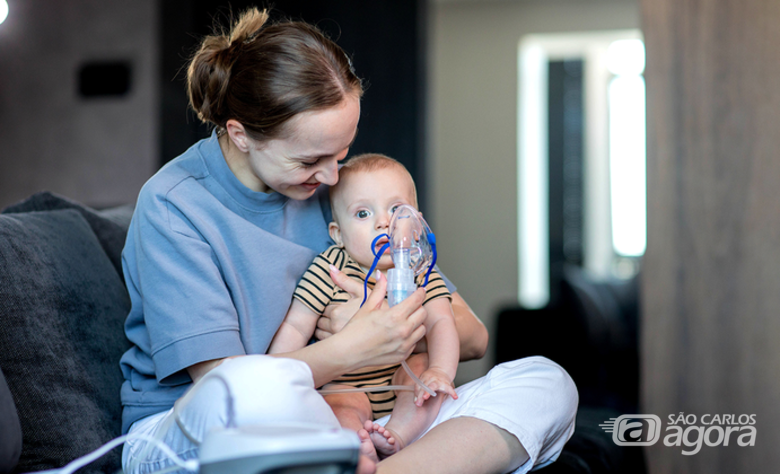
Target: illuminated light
[
  {"x": 533, "y": 230},
  {"x": 3, "y": 10},
  {"x": 627, "y": 163},
  {"x": 626, "y": 57}
]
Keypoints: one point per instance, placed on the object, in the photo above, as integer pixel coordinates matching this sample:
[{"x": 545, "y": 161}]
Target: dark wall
[
  {"x": 386, "y": 40},
  {"x": 61, "y": 128}
]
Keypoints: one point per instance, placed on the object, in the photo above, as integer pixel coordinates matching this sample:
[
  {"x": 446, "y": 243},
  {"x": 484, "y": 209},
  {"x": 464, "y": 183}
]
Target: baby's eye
[
  {"x": 394, "y": 208},
  {"x": 362, "y": 214}
]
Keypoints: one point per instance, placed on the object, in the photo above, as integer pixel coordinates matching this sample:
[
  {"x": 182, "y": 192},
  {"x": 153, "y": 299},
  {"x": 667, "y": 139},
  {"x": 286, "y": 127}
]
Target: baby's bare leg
[
  {"x": 353, "y": 410},
  {"x": 407, "y": 420}
]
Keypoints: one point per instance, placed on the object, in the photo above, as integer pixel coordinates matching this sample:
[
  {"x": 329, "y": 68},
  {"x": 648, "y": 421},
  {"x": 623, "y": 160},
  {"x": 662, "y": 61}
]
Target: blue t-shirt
[{"x": 211, "y": 267}]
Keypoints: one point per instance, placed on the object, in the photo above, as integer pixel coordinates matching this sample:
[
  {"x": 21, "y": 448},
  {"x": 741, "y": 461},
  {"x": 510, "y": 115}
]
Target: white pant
[{"x": 532, "y": 398}]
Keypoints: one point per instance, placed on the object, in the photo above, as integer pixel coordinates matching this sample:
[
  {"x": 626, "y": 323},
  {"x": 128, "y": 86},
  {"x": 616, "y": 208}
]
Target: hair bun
[{"x": 210, "y": 68}]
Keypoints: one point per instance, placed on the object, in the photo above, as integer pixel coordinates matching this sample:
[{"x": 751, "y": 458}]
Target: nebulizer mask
[
  {"x": 412, "y": 247},
  {"x": 413, "y": 250}
]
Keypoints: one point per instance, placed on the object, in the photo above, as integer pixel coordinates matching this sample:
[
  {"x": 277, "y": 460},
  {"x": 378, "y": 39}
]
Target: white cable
[
  {"x": 177, "y": 407},
  {"x": 76, "y": 464}
]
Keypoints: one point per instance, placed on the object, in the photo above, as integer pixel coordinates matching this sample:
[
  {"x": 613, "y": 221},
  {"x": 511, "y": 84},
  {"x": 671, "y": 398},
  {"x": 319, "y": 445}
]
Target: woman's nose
[{"x": 329, "y": 173}]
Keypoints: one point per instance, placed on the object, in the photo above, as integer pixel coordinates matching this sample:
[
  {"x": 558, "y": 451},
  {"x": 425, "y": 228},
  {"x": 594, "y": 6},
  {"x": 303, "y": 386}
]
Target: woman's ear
[
  {"x": 237, "y": 134},
  {"x": 335, "y": 233}
]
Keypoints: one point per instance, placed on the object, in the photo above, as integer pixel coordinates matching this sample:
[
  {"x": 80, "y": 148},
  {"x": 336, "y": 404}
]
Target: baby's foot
[
  {"x": 367, "y": 450},
  {"x": 385, "y": 441}
]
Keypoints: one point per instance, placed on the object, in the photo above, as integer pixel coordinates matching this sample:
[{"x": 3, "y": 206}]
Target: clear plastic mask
[{"x": 409, "y": 240}]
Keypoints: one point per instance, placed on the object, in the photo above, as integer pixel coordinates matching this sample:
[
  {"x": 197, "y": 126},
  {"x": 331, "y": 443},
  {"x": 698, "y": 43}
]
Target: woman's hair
[{"x": 263, "y": 74}]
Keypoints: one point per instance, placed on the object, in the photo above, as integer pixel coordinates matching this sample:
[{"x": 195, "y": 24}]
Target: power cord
[
  {"x": 73, "y": 466},
  {"x": 191, "y": 465}
]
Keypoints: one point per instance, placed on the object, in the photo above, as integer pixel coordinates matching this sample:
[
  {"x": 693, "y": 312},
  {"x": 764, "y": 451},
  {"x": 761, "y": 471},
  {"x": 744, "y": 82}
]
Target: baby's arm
[
  {"x": 443, "y": 350},
  {"x": 296, "y": 329}
]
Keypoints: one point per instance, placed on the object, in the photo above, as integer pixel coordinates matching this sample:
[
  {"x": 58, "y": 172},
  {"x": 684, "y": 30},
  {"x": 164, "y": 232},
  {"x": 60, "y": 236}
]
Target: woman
[{"x": 220, "y": 237}]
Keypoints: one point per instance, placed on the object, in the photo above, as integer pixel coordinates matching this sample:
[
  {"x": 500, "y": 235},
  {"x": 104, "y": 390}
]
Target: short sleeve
[
  {"x": 315, "y": 290},
  {"x": 436, "y": 287},
  {"x": 187, "y": 307}
]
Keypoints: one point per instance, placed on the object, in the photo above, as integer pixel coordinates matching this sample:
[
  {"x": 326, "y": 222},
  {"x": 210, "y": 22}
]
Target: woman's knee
[
  {"x": 543, "y": 374},
  {"x": 264, "y": 389}
]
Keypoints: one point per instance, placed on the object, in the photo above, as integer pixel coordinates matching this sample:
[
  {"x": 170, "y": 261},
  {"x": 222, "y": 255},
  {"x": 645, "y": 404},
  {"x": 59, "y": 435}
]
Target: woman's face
[{"x": 308, "y": 156}]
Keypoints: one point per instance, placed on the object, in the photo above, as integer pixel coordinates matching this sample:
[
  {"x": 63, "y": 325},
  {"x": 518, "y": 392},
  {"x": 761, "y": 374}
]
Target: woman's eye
[
  {"x": 309, "y": 165},
  {"x": 362, "y": 214}
]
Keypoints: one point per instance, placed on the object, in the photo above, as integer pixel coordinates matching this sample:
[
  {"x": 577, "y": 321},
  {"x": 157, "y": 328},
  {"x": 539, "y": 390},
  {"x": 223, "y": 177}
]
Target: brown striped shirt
[{"x": 317, "y": 290}]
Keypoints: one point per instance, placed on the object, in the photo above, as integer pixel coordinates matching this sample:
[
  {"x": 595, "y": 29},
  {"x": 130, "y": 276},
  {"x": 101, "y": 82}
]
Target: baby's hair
[
  {"x": 368, "y": 162},
  {"x": 262, "y": 74}
]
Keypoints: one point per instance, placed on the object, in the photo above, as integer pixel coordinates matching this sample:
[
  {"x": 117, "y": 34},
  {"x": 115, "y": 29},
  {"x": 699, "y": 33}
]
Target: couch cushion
[
  {"x": 110, "y": 225},
  {"x": 10, "y": 430},
  {"x": 62, "y": 311}
]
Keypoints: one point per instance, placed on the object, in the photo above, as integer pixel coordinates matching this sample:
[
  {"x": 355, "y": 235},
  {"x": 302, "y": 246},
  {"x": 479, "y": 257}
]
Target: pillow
[
  {"x": 10, "y": 431},
  {"x": 62, "y": 312},
  {"x": 110, "y": 226}
]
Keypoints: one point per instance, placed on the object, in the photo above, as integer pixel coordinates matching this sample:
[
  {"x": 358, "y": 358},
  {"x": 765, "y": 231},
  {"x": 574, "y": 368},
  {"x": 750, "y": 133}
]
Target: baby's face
[{"x": 363, "y": 209}]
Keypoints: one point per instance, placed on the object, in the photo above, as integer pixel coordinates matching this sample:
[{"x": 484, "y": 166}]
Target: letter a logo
[{"x": 634, "y": 430}]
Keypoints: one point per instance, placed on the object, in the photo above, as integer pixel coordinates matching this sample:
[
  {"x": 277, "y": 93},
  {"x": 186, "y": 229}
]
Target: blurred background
[
  {"x": 626, "y": 229},
  {"x": 92, "y": 103}
]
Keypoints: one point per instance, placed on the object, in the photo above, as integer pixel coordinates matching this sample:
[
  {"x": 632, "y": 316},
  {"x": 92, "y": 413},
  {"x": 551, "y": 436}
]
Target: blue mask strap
[
  {"x": 432, "y": 241},
  {"x": 377, "y": 256}
]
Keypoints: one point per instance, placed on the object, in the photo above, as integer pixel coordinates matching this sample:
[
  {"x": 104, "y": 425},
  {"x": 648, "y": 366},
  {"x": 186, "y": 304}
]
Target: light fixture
[{"x": 3, "y": 10}]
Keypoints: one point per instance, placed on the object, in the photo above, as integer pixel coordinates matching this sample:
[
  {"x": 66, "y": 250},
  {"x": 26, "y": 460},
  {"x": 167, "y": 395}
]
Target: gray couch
[{"x": 63, "y": 304}]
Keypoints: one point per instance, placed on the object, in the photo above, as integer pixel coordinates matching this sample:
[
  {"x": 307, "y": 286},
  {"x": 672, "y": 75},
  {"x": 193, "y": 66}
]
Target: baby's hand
[{"x": 438, "y": 381}]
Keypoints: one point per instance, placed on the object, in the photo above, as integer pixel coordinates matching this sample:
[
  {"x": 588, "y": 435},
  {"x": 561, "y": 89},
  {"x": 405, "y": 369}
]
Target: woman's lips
[{"x": 311, "y": 186}]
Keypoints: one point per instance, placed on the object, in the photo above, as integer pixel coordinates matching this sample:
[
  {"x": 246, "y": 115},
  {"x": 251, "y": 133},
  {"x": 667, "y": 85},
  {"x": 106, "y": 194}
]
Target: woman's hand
[
  {"x": 386, "y": 335},
  {"x": 375, "y": 335},
  {"x": 336, "y": 316}
]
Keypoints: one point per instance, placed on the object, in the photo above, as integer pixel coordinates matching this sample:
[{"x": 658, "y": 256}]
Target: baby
[{"x": 370, "y": 188}]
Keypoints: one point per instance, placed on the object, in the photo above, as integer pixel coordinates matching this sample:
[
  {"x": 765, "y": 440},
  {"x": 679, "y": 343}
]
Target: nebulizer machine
[{"x": 297, "y": 448}]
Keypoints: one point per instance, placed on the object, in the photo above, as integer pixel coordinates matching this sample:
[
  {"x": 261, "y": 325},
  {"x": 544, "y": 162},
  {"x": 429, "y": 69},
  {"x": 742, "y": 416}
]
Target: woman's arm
[
  {"x": 472, "y": 334},
  {"x": 374, "y": 336}
]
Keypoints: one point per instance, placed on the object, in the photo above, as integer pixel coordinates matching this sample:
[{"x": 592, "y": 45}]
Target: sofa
[
  {"x": 590, "y": 327},
  {"x": 63, "y": 305}
]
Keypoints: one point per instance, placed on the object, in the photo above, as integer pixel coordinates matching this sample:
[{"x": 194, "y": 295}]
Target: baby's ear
[{"x": 335, "y": 233}]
